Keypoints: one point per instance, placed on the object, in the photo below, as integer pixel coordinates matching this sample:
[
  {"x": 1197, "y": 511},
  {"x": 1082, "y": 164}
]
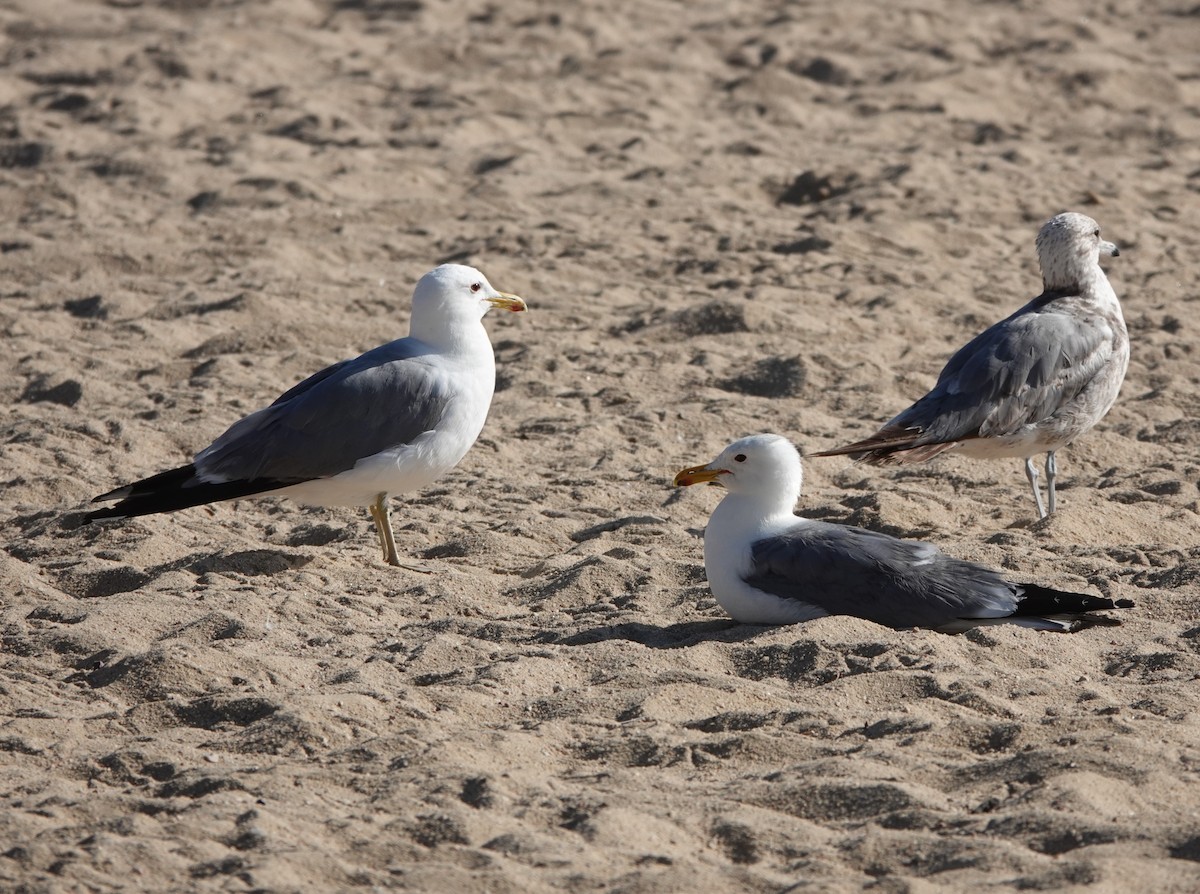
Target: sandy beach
[{"x": 726, "y": 218}]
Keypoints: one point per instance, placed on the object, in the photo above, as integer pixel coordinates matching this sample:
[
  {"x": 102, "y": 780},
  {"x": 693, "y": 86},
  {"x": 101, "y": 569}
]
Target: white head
[
  {"x": 765, "y": 468},
  {"x": 451, "y": 295},
  {"x": 1069, "y": 248}
]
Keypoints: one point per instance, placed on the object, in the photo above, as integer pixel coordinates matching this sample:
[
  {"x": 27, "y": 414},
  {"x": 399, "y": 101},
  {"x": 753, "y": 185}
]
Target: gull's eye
[
  {"x": 476, "y": 286},
  {"x": 1097, "y": 233},
  {"x": 740, "y": 458}
]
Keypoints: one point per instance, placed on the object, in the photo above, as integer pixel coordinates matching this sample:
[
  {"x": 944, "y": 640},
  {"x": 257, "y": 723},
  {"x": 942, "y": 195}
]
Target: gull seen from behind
[{"x": 1032, "y": 383}]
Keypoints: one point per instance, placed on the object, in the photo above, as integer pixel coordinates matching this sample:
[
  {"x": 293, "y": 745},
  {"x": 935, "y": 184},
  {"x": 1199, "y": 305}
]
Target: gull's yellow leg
[{"x": 383, "y": 526}]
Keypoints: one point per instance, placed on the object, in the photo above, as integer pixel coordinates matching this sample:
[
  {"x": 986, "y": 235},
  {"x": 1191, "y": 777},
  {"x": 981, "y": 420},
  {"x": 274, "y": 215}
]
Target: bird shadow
[
  {"x": 38, "y": 522},
  {"x": 248, "y": 562},
  {"x": 672, "y": 636},
  {"x": 98, "y": 583}
]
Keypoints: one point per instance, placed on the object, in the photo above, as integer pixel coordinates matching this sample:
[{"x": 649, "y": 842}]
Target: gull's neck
[
  {"x": 458, "y": 336},
  {"x": 1083, "y": 275},
  {"x": 754, "y": 512},
  {"x": 1091, "y": 285},
  {"x": 1102, "y": 292}
]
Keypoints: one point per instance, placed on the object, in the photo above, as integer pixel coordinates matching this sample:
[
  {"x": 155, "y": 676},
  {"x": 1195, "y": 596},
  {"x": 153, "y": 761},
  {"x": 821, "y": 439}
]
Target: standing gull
[
  {"x": 768, "y": 566},
  {"x": 1033, "y": 382},
  {"x": 388, "y": 421}
]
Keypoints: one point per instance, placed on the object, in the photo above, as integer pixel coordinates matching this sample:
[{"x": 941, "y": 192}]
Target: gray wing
[
  {"x": 901, "y": 583},
  {"x": 1021, "y": 371},
  {"x": 324, "y": 425}
]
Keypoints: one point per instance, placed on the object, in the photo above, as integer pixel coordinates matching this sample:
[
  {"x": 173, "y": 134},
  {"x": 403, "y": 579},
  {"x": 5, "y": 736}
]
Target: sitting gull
[
  {"x": 1033, "y": 382},
  {"x": 768, "y": 566},
  {"x": 391, "y": 420}
]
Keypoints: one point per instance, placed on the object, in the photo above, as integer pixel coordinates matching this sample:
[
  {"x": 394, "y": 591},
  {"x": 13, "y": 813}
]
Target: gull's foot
[{"x": 417, "y": 567}]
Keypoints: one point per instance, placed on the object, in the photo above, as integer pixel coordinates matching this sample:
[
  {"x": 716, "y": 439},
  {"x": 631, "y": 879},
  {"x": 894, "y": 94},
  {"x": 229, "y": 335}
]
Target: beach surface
[{"x": 726, "y": 218}]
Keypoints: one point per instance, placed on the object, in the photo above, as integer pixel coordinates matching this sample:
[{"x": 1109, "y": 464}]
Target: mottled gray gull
[
  {"x": 1030, "y": 384},
  {"x": 388, "y": 421},
  {"x": 768, "y": 566}
]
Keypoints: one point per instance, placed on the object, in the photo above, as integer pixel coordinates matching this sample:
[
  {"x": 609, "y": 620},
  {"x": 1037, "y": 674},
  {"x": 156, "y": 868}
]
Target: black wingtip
[
  {"x": 1047, "y": 602},
  {"x": 119, "y": 493},
  {"x": 175, "y": 489},
  {"x": 101, "y": 514}
]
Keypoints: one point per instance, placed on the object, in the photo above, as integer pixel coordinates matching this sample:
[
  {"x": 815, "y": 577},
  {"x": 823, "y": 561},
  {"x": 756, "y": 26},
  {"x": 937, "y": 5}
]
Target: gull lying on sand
[
  {"x": 768, "y": 566},
  {"x": 1033, "y": 382},
  {"x": 388, "y": 421}
]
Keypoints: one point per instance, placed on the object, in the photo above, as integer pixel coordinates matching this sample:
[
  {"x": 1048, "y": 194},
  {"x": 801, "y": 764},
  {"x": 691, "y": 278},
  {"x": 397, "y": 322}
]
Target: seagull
[
  {"x": 1033, "y": 382},
  {"x": 766, "y": 565},
  {"x": 391, "y": 420}
]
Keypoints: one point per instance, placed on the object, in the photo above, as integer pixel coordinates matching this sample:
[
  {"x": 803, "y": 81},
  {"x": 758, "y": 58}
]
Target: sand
[{"x": 727, "y": 218}]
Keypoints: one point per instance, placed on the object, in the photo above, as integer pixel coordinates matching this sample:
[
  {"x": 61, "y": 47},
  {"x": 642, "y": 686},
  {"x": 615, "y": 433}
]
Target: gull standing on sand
[
  {"x": 766, "y": 565},
  {"x": 1033, "y": 382},
  {"x": 388, "y": 421}
]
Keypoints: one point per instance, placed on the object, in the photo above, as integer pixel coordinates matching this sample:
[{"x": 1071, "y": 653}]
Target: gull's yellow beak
[
  {"x": 508, "y": 302},
  {"x": 698, "y": 475}
]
